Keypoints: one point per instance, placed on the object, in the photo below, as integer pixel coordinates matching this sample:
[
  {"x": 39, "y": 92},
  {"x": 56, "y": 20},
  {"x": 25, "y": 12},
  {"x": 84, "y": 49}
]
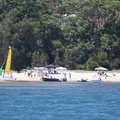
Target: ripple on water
[{"x": 59, "y": 101}]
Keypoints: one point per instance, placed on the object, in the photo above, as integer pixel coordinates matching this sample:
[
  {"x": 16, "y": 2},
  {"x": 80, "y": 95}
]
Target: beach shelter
[
  {"x": 61, "y": 68},
  {"x": 101, "y": 69},
  {"x": 40, "y": 68},
  {"x": 51, "y": 66}
]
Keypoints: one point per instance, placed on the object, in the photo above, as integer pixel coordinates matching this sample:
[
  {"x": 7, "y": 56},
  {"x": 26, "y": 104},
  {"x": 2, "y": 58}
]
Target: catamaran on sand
[{"x": 7, "y": 74}]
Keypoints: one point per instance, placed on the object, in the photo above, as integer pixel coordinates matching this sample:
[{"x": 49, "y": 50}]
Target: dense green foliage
[{"x": 77, "y": 34}]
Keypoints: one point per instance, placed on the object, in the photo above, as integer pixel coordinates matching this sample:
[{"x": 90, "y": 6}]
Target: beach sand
[
  {"x": 72, "y": 76},
  {"x": 112, "y": 76}
]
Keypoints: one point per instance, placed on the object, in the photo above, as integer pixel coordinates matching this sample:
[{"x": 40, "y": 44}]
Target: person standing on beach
[{"x": 69, "y": 75}]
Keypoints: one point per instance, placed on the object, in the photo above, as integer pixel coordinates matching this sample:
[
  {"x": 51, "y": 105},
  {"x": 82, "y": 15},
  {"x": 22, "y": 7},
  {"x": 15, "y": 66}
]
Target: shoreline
[
  {"x": 76, "y": 75},
  {"x": 37, "y": 83}
]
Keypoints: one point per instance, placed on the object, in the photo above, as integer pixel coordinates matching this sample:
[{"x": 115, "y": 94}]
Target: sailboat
[{"x": 7, "y": 74}]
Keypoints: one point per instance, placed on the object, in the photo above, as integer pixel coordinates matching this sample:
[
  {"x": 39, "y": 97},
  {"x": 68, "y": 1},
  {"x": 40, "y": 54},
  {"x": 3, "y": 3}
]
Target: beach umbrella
[
  {"x": 51, "y": 66},
  {"x": 61, "y": 68},
  {"x": 40, "y": 68},
  {"x": 101, "y": 69},
  {"x": 43, "y": 68}
]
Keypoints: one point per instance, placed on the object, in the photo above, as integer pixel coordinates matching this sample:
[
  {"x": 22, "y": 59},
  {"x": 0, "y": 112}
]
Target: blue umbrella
[
  {"x": 41, "y": 68},
  {"x": 51, "y": 66}
]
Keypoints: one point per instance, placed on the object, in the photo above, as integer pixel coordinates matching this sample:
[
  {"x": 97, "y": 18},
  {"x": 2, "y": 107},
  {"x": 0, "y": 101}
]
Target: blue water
[{"x": 59, "y": 101}]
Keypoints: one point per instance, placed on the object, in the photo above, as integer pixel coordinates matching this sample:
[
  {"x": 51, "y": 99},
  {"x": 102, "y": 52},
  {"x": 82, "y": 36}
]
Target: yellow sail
[{"x": 8, "y": 62}]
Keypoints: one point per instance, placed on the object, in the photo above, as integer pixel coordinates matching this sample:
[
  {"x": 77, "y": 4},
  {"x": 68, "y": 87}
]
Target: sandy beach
[
  {"x": 72, "y": 76},
  {"x": 112, "y": 76}
]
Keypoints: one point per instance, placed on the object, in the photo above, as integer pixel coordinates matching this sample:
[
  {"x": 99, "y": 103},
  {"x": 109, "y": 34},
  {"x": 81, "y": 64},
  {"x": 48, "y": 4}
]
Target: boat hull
[
  {"x": 51, "y": 79},
  {"x": 7, "y": 78}
]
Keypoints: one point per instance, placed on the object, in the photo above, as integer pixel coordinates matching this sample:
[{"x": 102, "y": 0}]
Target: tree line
[{"x": 76, "y": 34}]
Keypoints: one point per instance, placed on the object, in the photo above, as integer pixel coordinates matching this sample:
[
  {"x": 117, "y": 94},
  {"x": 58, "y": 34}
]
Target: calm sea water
[{"x": 59, "y": 101}]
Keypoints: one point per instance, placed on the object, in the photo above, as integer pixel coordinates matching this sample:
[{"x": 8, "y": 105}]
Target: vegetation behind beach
[{"x": 77, "y": 34}]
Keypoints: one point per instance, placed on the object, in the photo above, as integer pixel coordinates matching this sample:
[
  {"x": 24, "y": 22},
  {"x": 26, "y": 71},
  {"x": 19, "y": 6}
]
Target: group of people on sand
[
  {"x": 33, "y": 74},
  {"x": 102, "y": 73}
]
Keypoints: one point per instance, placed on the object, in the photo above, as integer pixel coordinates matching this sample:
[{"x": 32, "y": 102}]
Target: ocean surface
[{"x": 59, "y": 101}]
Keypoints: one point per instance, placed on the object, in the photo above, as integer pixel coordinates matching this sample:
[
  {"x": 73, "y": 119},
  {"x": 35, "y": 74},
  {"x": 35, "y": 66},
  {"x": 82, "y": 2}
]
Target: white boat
[
  {"x": 60, "y": 77},
  {"x": 7, "y": 78}
]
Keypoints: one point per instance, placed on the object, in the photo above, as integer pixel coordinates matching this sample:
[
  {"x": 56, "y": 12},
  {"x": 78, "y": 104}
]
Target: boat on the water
[
  {"x": 48, "y": 79},
  {"x": 55, "y": 74},
  {"x": 55, "y": 78},
  {"x": 82, "y": 80}
]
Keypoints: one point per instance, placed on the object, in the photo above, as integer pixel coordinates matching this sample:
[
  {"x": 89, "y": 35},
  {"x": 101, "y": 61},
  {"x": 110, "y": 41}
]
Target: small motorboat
[
  {"x": 54, "y": 79},
  {"x": 50, "y": 79},
  {"x": 83, "y": 80}
]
